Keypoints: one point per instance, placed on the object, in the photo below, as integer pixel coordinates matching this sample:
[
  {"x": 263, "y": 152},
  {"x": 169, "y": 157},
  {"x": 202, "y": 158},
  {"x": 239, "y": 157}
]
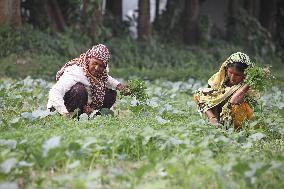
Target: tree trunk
[
  {"x": 144, "y": 25},
  {"x": 114, "y": 7},
  {"x": 233, "y": 8},
  {"x": 10, "y": 12},
  {"x": 83, "y": 16},
  {"x": 191, "y": 15},
  {"x": 54, "y": 16},
  {"x": 252, "y": 7},
  {"x": 157, "y": 14},
  {"x": 96, "y": 21},
  {"x": 280, "y": 24},
  {"x": 268, "y": 12},
  {"x": 170, "y": 20}
]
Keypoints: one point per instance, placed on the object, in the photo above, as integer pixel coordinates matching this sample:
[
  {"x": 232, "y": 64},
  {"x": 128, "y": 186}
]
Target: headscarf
[
  {"x": 98, "y": 83},
  {"x": 217, "y": 93}
]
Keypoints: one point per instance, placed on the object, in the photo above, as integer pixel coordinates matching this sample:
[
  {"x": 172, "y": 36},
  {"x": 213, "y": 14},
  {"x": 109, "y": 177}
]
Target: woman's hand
[
  {"x": 213, "y": 120},
  {"x": 123, "y": 89},
  {"x": 238, "y": 96},
  {"x": 66, "y": 115},
  {"x": 211, "y": 117},
  {"x": 88, "y": 110}
]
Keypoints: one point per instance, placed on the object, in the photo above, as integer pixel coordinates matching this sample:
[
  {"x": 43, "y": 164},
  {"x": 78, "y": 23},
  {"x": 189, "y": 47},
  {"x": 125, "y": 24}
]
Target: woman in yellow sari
[{"x": 224, "y": 102}]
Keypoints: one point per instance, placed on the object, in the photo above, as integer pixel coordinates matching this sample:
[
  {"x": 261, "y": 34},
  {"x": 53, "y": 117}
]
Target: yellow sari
[{"x": 219, "y": 94}]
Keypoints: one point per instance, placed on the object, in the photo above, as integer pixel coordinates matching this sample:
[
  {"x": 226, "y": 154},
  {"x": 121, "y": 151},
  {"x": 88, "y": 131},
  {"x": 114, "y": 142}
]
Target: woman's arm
[
  {"x": 57, "y": 93},
  {"x": 112, "y": 83},
  {"x": 239, "y": 95},
  {"x": 211, "y": 116},
  {"x": 116, "y": 85},
  {"x": 58, "y": 90}
]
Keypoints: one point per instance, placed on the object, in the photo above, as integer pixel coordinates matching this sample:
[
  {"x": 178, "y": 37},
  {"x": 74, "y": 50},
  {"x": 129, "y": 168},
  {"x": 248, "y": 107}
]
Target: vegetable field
[{"x": 165, "y": 144}]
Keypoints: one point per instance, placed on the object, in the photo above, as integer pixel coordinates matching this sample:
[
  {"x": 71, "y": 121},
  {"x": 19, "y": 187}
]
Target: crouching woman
[
  {"x": 84, "y": 84},
  {"x": 224, "y": 101}
]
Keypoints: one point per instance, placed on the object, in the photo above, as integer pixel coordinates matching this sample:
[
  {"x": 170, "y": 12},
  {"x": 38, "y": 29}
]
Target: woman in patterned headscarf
[
  {"x": 83, "y": 83},
  {"x": 224, "y": 100}
]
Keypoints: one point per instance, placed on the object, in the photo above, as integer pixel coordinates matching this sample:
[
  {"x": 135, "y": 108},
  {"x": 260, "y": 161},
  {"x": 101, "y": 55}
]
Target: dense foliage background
[
  {"x": 49, "y": 34},
  {"x": 164, "y": 144}
]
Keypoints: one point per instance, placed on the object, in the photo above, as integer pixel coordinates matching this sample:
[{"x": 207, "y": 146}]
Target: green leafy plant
[
  {"x": 156, "y": 147},
  {"x": 137, "y": 88},
  {"x": 258, "y": 78}
]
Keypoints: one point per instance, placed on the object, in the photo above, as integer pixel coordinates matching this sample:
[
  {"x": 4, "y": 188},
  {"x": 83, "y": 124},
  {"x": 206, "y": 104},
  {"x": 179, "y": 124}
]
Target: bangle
[
  {"x": 211, "y": 117},
  {"x": 243, "y": 92}
]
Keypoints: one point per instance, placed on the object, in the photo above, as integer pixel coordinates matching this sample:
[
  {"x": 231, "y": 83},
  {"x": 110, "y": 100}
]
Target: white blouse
[{"x": 71, "y": 76}]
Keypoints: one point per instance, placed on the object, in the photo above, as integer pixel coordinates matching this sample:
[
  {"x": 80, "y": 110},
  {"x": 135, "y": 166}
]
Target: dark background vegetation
[{"x": 38, "y": 37}]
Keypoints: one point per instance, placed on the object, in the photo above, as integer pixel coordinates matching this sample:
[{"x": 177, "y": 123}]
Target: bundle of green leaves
[
  {"x": 258, "y": 78},
  {"x": 137, "y": 88}
]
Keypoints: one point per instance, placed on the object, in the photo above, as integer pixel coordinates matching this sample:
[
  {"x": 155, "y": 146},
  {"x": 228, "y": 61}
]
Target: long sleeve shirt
[{"x": 71, "y": 76}]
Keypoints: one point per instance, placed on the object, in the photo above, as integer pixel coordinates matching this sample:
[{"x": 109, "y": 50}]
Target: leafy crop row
[{"x": 167, "y": 145}]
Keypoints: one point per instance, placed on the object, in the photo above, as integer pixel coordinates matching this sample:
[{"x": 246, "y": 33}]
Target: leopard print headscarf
[{"x": 98, "y": 83}]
